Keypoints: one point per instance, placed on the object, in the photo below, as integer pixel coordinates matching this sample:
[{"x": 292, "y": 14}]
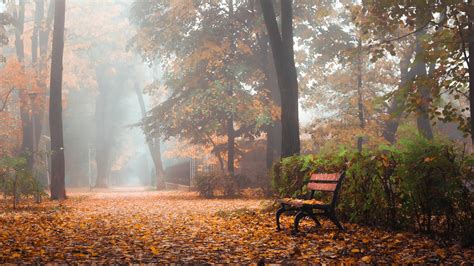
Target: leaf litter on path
[{"x": 172, "y": 226}]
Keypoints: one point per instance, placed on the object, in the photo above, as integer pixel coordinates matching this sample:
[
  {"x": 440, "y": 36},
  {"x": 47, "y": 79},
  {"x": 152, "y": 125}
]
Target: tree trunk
[
  {"x": 471, "y": 76},
  {"x": 273, "y": 131},
  {"x": 39, "y": 14},
  {"x": 27, "y": 137},
  {"x": 153, "y": 146},
  {"x": 423, "y": 120},
  {"x": 230, "y": 94},
  {"x": 283, "y": 59},
  {"x": 230, "y": 140},
  {"x": 102, "y": 141},
  {"x": 105, "y": 133},
  {"x": 360, "y": 139},
  {"x": 58, "y": 190},
  {"x": 397, "y": 105},
  {"x": 20, "y": 24},
  {"x": 41, "y": 115}
]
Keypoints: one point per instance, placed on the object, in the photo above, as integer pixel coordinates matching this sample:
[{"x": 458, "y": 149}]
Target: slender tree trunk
[
  {"x": 230, "y": 135},
  {"x": 153, "y": 146},
  {"x": 58, "y": 190},
  {"x": 283, "y": 59},
  {"x": 360, "y": 139},
  {"x": 39, "y": 14},
  {"x": 230, "y": 94},
  {"x": 471, "y": 75}
]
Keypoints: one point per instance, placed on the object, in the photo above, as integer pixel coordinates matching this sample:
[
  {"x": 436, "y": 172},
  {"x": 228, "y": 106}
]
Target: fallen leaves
[{"x": 160, "y": 227}]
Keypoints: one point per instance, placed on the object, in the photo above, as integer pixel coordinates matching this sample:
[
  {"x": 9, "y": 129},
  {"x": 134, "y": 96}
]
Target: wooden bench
[{"x": 310, "y": 207}]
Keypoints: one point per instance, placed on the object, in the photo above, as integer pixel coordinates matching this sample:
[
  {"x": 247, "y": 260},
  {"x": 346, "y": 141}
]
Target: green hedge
[{"x": 418, "y": 184}]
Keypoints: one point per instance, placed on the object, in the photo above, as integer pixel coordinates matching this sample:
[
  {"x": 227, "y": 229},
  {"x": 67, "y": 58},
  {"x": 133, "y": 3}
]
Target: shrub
[
  {"x": 211, "y": 184},
  {"x": 369, "y": 193},
  {"x": 419, "y": 184},
  {"x": 291, "y": 174},
  {"x": 17, "y": 182},
  {"x": 205, "y": 185}
]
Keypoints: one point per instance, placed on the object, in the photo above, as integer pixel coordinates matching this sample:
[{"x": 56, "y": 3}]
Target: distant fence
[{"x": 185, "y": 173}]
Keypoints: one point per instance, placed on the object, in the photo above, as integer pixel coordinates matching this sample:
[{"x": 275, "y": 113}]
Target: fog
[{"x": 158, "y": 92}]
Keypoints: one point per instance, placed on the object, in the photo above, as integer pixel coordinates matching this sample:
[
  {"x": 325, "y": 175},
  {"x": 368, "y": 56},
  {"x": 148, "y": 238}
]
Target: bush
[
  {"x": 205, "y": 185},
  {"x": 419, "y": 184},
  {"x": 211, "y": 184},
  {"x": 369, "y": 193},
  {"x": 17, "y": 182},
  {"x": 291, "y": 174}
]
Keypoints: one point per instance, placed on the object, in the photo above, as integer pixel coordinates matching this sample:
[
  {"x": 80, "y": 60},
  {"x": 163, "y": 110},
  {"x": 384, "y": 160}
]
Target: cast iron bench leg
[
  {"x": 300, "y": 215},
  {"x": 315, "y": 219},
  {"x": 333, "y": 218},
  {"x": 278, "y": 214}
]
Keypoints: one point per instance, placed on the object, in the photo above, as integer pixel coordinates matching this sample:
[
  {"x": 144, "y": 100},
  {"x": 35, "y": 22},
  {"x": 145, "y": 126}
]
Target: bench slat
[{"x": 324, "y": 182}]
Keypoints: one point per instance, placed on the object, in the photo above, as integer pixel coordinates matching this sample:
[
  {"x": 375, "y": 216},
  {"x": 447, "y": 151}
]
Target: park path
[{"x": 135, "y": 225}]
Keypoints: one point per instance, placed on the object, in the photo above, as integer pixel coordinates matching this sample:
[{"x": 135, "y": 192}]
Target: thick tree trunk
[
  {"x": 33, "y": 129},
  {"x": 20, "y": 23},
  {"x": 103, "y": 138},
  {"x": 283, "y": 59},
  {"x": 153, "y": 145},
  {"x": 27, "y": 137},
  {"x": 58, "y": 190},
  {"x": 397, "y": 105},
  {"x": 41, "y": 114},
  {"x": 423, "y": 120},
  {"x": 273, "y": 131}
]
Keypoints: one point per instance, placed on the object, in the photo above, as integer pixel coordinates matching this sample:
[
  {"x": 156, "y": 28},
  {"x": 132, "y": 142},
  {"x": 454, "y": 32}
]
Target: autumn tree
[
  {"x": 58, "y": 190},
  {"x": 439, "y": 70},
  {"x": 212, "y": 83},
  {"x": 153, "y": 142},
  {"x": 283, "y": 57}
]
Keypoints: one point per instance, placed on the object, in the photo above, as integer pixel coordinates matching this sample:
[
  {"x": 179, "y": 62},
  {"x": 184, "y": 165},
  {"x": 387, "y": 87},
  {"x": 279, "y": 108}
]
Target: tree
[
  {"x": 440, "y": 69},
  {"x": 153, "y": 143},
  {"x": 213, "y": 81},
  {"x": 58, "y": 190},
  {"x": 283, "y": 59}
]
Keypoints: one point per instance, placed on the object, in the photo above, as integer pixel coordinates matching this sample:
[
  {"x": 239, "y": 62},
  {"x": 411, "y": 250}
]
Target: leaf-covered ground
[{"x": 148, "y": 226}]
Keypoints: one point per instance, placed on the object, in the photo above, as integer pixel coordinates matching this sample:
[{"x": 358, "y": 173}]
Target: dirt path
[{"x": 149, "y": 226}]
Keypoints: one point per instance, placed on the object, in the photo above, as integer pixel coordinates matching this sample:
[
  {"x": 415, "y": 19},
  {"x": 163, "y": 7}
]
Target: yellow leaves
[
  {"x": 355, "y": 250},
  {"x": 366, "y": 259},
  {"x": 154, "y": 250},
  {"x": 164, "y": 227}
]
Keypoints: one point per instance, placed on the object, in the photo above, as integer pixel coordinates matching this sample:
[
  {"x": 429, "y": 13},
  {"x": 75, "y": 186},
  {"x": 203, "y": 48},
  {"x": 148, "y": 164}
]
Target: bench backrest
[{"x": 327, "y": 182}]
